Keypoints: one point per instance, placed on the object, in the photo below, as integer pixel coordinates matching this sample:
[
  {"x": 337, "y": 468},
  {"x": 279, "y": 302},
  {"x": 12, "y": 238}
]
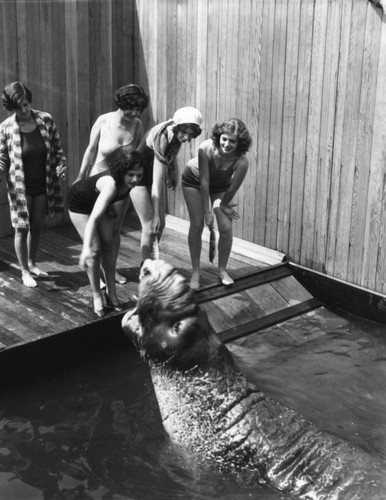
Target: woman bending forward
[{"x": 209, "y": 184}]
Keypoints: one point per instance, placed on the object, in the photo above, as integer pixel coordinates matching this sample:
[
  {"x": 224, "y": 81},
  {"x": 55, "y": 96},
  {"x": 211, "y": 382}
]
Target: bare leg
[
  {"x": 121, "y": 209},
  {"x": 93, "y": 272},
  {"x": 21, "y": 249},
  {"x": 162, "y": 210},
  {"x": 141, "y": 199},
  {"x": 105, "y": 231},
  {"x": 37, "y": 211},
  {"x": 225, "y": 242},
  {"x": 196, "y": 215}
]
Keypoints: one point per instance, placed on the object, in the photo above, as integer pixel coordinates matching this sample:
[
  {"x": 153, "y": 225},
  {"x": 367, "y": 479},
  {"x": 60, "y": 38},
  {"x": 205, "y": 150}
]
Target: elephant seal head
[{"x": 167, "y": 326}]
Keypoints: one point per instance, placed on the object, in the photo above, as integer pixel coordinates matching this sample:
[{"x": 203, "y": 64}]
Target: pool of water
[{"x": 92, "y": 430}]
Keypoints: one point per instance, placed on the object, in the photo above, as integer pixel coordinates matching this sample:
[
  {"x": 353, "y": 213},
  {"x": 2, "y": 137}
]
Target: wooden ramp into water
[
  {"x": 264, "y": 293},
  {"x": 257, "y": 301}
]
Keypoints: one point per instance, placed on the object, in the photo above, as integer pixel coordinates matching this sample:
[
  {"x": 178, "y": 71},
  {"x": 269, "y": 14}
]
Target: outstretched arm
[
  {"x": 158, "y": 178},
  {"x": 203, "y": 166},
  {"x": 241, "y": 169},
  {"x": 107, "y": 191}
]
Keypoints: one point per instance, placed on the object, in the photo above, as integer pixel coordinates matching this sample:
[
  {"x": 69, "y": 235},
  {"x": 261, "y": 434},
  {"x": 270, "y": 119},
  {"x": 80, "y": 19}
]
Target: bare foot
[
  {"x": 224, "y": 278},
  {"x": 38, "y": 272},
  {"x": 194, "y": 282},
  {"x": 28, "y": 280}
]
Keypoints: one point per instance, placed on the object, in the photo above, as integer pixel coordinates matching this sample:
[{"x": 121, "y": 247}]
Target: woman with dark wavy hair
[
  {"x": 209, "y": 184},
  {"x": 90, "y": 205},
  {"x": 161, "y": 145},
  {"x": 32, "y": 159},
  {"x": 115, "y": 133}
]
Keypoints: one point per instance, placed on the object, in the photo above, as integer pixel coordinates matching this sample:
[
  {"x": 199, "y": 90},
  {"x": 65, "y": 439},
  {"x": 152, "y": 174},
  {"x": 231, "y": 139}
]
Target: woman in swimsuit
[
  {"x": 161, "y": 145},
  {"x": 89, "y": 204},
  {"x": 209, "y": 184},
  {"x": 32, "y": 159},
  {"x": 113, "y": 134}
]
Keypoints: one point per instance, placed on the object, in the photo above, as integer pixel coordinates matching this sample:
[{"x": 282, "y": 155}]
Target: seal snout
[{"x": 131, "y": 326}]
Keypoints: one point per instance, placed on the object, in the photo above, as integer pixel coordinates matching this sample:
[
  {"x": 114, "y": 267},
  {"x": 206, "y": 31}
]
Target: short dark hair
[
  {"x": 125, "y": 163},
  {"x": 183, "y": 126},
  {"x": 233, "y": 126},
  {"x": 13, "y": 94},
  {"x": 131, "y": 96}
]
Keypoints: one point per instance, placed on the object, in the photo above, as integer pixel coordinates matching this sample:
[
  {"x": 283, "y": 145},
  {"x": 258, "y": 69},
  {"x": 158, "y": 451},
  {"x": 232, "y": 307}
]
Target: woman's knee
[
  {"x": 21, "y": 233},
  {"x": 105, "y": 246},
  {"x": 225, "y": 227},
  {"x": 196, "y": 228}
]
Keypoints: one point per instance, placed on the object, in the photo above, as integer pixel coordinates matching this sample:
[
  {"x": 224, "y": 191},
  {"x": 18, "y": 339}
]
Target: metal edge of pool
[{"x": 341, "y": 295}]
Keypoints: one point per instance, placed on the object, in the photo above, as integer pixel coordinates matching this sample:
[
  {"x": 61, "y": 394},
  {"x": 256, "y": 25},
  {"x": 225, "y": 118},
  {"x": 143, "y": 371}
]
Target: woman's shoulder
[
  {"x": 106, "y": 118},
  {"x": 7, "y": 122},
  {"x": 242, "y": 161},
  {"x": 43, "y": 115}
]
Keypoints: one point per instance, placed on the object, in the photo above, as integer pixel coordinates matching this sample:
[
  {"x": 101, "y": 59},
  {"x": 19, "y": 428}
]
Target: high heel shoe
[{"x": 99, "y": 313}]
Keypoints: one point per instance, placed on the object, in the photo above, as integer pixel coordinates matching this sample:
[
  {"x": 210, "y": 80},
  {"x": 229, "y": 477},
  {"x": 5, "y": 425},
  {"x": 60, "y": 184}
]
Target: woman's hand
[
  {"x": 209, "y": 218},
  {"x": 229, "y": 212},
  {"x": 155, "y": 225},
  {"x": 86, "y": 259},
  {"x": 61, "y": 171}
]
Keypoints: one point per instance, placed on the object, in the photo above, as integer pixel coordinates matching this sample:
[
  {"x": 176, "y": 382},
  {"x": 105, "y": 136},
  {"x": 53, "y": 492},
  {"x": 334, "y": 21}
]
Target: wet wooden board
[{"x": 62, "y": 302}]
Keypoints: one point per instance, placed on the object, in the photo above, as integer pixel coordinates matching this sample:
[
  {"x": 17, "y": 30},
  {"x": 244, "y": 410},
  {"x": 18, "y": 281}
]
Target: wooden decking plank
[
  {"x": 232, "y": 311},
  {"x": 290, "y": 288},
  {"x": 28, "y": 315},
  {"x": 261, "y": 276},
  {"x": 269, "y": 320},
  {"x": 15, "y": 330},
  {"x": 62, "y": 302},
  {"x": 267, "y": 297},
  {"x": 44, "y": 296}
]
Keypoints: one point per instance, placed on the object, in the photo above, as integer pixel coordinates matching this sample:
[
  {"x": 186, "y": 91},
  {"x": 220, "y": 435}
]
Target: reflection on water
[{"x": 94, "y": 431}]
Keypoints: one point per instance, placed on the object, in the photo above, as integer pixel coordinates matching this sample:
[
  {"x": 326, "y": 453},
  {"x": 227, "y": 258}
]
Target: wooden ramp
[{"x": 264, "y": 298}]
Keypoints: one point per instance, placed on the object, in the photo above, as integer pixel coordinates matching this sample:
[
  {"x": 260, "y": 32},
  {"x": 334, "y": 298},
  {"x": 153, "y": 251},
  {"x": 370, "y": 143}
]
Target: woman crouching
[{"x": 91, "y": 212}]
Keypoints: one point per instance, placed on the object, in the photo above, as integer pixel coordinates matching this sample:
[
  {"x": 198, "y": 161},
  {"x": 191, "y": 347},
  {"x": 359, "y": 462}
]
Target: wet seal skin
[{"x": 208, "y": 406}]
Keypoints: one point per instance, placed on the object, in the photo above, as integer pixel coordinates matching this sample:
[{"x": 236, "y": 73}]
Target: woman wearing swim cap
[{"x": 160, "y": 146}]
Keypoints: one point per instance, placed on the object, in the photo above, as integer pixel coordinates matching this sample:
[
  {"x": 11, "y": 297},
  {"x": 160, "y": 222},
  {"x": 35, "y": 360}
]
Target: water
[{"x": 93, "y": 431}]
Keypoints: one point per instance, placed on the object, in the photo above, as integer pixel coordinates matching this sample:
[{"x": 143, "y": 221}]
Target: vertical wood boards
[
  {"x": 288, "y": 129},
  {"x": 306, "y": 76},
  {"x": 300, "y": 130}
]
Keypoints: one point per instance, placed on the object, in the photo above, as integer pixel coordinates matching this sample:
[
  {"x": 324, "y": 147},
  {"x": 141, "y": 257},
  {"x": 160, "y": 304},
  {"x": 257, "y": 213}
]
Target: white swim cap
[{"x": 187, "y": 114}]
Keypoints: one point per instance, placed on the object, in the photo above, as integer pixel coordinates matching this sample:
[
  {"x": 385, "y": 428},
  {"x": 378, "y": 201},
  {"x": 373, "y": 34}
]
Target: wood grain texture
[{"x": 306, "y": 76}]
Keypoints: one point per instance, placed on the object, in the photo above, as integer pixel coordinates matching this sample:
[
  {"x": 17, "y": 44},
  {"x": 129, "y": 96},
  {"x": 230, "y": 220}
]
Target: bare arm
[
  {"x": 107, "y": 191},
  {"x": 241, "y": 169},
  {"x": 203, "y": 166},
  {"x": 158, "y": 179},
  {"x": 91, "y": 150},
  {"x": 238, "y": 177}
]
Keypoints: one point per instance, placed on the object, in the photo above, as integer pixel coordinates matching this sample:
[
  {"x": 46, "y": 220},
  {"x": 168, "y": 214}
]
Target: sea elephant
[{"x": 208, "y": 406}]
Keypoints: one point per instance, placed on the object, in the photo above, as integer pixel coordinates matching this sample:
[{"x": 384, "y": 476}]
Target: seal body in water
[{"x": 208, "y": 406}]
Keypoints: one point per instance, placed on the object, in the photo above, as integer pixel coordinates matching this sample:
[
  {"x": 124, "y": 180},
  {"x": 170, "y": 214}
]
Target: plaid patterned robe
[{"x": 11, "y": 161}]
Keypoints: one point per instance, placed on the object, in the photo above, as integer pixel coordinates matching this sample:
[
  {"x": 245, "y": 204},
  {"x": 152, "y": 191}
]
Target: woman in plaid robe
[{"x": 29, "y": 138}]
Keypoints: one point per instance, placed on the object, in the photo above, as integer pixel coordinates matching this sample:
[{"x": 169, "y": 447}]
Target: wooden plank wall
[
  {"x": 307, "y": 76},
  {"x": 309, "y": 79},
  {"x": 72, "y": 54}
]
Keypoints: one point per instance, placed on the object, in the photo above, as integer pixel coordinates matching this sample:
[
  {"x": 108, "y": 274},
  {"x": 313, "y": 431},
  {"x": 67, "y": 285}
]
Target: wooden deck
[{"x": 61, "y": 303}]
